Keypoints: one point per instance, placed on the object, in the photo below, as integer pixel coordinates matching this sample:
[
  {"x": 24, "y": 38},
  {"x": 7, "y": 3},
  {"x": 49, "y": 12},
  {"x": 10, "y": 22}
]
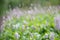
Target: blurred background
[{"x": 30, "y": 20}]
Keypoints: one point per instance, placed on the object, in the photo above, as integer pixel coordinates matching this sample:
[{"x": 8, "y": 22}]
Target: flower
[
  {"x": 16, "y": 26},
  {"x": 25, "y": 22},
  {"x": 23, "y": 27},
  {"x": 27, "y": 27},
  {"x": 17, "y": 35},
  {"x": 52, "y": 36},
  {"x": 37, "y": 35},
  {"x": 33, "y": 27},
  {"x": 32, "y": 18},
  {"x": 57, "y": 22},
  {"x": 46, "y": 35}
]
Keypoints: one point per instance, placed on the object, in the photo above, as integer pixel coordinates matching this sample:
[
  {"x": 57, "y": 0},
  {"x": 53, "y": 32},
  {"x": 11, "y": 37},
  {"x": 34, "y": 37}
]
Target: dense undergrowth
[
  {"x": 31, "y": 27},
  {"x": 28, "y": 3}
]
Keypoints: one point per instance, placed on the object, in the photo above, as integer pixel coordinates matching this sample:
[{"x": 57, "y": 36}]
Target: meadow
[{"x": 31, "y": 27}]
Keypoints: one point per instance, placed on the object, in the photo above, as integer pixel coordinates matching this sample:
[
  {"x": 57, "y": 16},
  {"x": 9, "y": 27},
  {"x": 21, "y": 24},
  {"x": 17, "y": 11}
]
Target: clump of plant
[{"x": 37, "y": 27}]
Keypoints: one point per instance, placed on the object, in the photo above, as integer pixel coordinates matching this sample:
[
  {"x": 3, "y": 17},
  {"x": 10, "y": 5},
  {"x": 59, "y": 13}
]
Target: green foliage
[
  {"x": 55, "y": 2},
  {"x": 49, "y": 2},
  {"x": 1, "y": 7},
  {"x": 27, "y": 3},
  {"x": 7, "y": 4},
  {"x": 38, "y": 27}
]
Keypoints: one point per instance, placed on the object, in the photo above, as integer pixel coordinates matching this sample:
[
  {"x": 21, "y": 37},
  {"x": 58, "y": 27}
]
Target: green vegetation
[
  {"x": 27, "y": 3},
  {"x": 7, "y": 4},
  {"x": 37, "y": 27}
]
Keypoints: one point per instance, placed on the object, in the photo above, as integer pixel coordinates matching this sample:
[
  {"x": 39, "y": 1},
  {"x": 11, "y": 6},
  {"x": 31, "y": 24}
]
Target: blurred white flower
[
  {"x": 31, "y": 34},
  {"x": 42, "y": 25},
  {"x": 31, "y": 5},
  {"x": 33, "y": 27},
  {"x": 16, "y": 26},
  {"x": 57, "y": 22},
  {"x": 23, "y": 27},
  {"x": 46, "y": 35},
  {"x": 17, "y": 35},
  {"x": 27, "y": 17},
  {"x": 52, "y": 36},
  {"x": 26, "y": 32},
  {"x": 47, "y": 23},
  {"x": 25, "y": 22},
  {"x": 35, "y": 8},
  {"x": 27, "y": 27},
  {"x": 42, "y": 11},
  {"x": 38, "y": 35},
  {"x": 9, "y": 24},
  {"x": 32, "y": 18},
  {"x": 30, "y": 11}
]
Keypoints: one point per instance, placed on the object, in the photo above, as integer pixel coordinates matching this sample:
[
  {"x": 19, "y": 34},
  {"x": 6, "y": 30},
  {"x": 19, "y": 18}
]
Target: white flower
[
  {"x": 57, "y": 22},
  {"x": 46, "y": 35},
  {"x": 31, "y": 34},
  {"x": 31, "y": 5},
  {"x": 17, "y": 35},
  {"x": 38, "y": 35},
  {"x": 32, "y": 18},
  {"x": 26, "y": 32},
  {"x": 27, "y": 27},
  {"x": 25, "y": 22},
  {"x": 42, "y": 25},
  {"x": 52, "y": 36},
  {"x": 23, "y": 27},
  {"x": 30, "y": 11},
  {"x": 27, "y": 17},
  {"x": 16, "y": 26},
  {"x": 33, "y": 27}
]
